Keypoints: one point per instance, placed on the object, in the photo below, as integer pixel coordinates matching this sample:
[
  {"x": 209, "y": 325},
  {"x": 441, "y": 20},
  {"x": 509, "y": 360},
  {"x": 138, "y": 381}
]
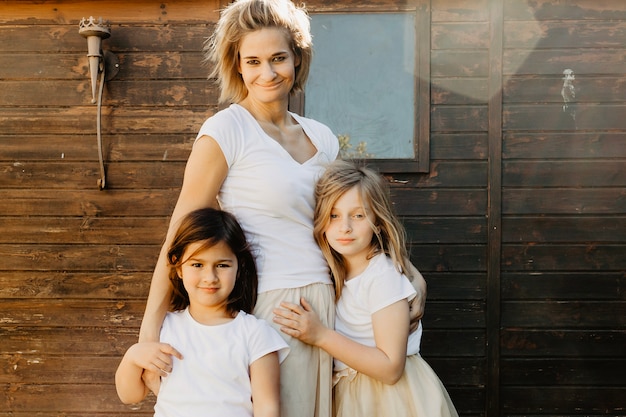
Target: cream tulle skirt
[{"x": 419, "y": 393}]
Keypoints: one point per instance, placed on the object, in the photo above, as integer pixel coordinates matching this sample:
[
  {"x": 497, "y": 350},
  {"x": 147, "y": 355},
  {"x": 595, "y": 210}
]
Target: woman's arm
[
  {"x": 204, "y": 174},
  {"x": 155, "y": 357},
  {"x": 384, "y": 362},
  {"x": 265, "y": 384}
]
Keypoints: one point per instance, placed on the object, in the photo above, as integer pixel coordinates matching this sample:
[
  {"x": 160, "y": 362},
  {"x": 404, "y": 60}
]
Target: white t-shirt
[
  {"x": 272, "y": 195},
  {"x": 379, "y": 286},
  {"x": 213, "y": 378}
]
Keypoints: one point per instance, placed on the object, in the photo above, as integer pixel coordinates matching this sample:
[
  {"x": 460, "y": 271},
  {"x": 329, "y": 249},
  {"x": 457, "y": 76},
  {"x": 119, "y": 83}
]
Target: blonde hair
[
  {"x": 246, "y": 16},
  {"x": 389, "y": 234}
]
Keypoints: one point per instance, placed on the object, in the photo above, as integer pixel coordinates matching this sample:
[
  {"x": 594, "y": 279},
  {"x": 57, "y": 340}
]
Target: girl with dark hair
[{"x": 231, "y": 359}]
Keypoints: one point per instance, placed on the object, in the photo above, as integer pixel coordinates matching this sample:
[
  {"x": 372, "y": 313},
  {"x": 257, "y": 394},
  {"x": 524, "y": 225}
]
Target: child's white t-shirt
[
  {"x": 379, "y": 286},
  {"x": 213, "y": 378}
]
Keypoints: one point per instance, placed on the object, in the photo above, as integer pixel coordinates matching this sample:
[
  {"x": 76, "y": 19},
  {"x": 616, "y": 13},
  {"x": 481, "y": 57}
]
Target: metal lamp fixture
[{"x": 103, "y": 63}]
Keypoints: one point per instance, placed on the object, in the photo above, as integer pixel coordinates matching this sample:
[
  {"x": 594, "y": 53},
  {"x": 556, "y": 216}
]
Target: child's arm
[
  {"x": 265, "y": 384},
  {"x": 384, "y": 362},
  {"x": 151, "y": 356}
]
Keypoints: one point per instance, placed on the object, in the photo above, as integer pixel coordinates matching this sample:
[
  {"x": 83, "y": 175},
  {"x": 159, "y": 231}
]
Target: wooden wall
[{"x": 519, "y": 226}]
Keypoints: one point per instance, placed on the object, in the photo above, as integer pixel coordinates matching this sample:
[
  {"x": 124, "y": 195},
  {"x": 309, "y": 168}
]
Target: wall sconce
[{"x": 103, "y": 63}]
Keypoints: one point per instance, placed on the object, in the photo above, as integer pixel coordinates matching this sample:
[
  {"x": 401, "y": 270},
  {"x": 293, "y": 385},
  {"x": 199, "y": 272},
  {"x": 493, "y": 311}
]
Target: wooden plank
[
  {"x": 552, "y": 117},
  {"x": 571, "y": 201},
  {"x": 31, "y": 285},
  {"x": 460, "y": 10},
  {"x": 83, "y": 176},
  {"x": 564, "y": 314},
  {"x": 457, "y": 91},
  {"x": 68, "y": 313},
  {"x": 454, "y": 174},
  {"x": 592, "y": 173},
  {"x": 559, "y": 229},
  {"x": 443, "y": 343},
  {"x": 444, "y": 202},
  {"x": 116, "y": 11},
  {"x": 81, "y": 341},
  {"x": 570, "y": 401},
  {"x": 552, "y": 61},
  {"x": 455, "y": 63},
  {"x": 47, "y": 369},
  {"x": 564, "y": 343},
  {"x": 134, "y": 65},
  {"x": 494, "y": 208},
  {"x": 61, "y": 398},
  {"x": 356, "y": 6},
  {"x": 458, "y": 146},
  {"x": 563, "y": 257},
  {"x": 74, "y": 120},
  {"x": 468, "y": 118},
  {"x": 83, "y": 147},
  {"x": 559, "y": 371},
  {"x": 564, "y": 33},
  {"x": 459, "y": 371},
  {"x": 543, "y": 89},
  {"x": 107, "y": 203},
  {"x": 68, "y": 257},
  {"x": 460, "y": 35},
  {"x": 118, "y": 92},
  {"x": 565, "y": 10},
  {"x": 449, "y": 258},
  {"x": 603, "y": 285},
  {"x": 441, "y": 229},
  {"x": 84, "y": 230},
  {"x": 563, "y": 145},
  {"x": 454, "y": 315},
  {"x": 455, "y": 285}
]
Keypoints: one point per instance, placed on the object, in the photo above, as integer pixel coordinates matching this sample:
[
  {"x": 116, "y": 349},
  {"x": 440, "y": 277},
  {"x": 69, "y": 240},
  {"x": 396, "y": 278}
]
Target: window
[{"x": 370, "y": 85}]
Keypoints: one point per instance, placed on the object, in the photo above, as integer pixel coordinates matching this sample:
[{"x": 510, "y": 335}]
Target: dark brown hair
[{"x": 211, "y": 227}]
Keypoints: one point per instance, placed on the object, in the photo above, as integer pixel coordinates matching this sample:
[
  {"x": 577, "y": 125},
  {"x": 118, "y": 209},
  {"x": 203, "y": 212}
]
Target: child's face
[
  {"x": 349, "y": 230},
  {"x": 209, "y": 276}
]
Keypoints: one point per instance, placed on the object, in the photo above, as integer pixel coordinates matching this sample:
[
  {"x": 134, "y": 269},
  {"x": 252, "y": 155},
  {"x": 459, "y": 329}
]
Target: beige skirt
[
  {"x": 306, "y": 373},
  {"x": 418, "y": 393}
]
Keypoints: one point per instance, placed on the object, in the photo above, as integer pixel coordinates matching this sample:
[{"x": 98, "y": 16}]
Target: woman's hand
[
  {"x": 417, "y": 304},
  {"x": 300, "y": 321}
]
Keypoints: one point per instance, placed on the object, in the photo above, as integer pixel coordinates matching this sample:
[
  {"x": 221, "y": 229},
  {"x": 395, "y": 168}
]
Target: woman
[{"x": 260, "y": 162}]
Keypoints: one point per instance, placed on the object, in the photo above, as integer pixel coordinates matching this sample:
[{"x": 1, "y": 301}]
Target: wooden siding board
[
  {"x": 604, "y": 285},
  {"x": 563, "y": 343},
  {"x": 572, "y": 201},
  {"x": 572, "y": 401},
  {"x": 80, "y": 176},
  {"x": 83, "y": 147},
  {"x": 564, "y": 229},
  {"x": 75, "y": 285},
  {"x": 83, "y": 230},
  {"x": 68, "y": 257},
  {"x": 575, "y": 314},
  {"x": 564, "y": 10},
  {"x": 107, "y": 203},
  {"x": 563, "y": 257},
  {"x": 563, "y": 372},
  {"x": 563, "y": 145}
]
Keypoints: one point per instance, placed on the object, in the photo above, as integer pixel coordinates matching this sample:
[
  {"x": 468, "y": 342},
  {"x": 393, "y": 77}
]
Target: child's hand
[
  {"x": 154, "y": 357},
  {"x": 299, "y": 321}
]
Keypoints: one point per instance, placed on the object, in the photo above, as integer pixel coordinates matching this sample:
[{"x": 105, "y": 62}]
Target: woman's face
[{"x": 267, "y": 65}]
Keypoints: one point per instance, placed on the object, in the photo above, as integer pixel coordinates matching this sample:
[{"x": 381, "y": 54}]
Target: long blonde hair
[
  {"x": 246, "y": 16},
  {"x": 389, "y": 234}
]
